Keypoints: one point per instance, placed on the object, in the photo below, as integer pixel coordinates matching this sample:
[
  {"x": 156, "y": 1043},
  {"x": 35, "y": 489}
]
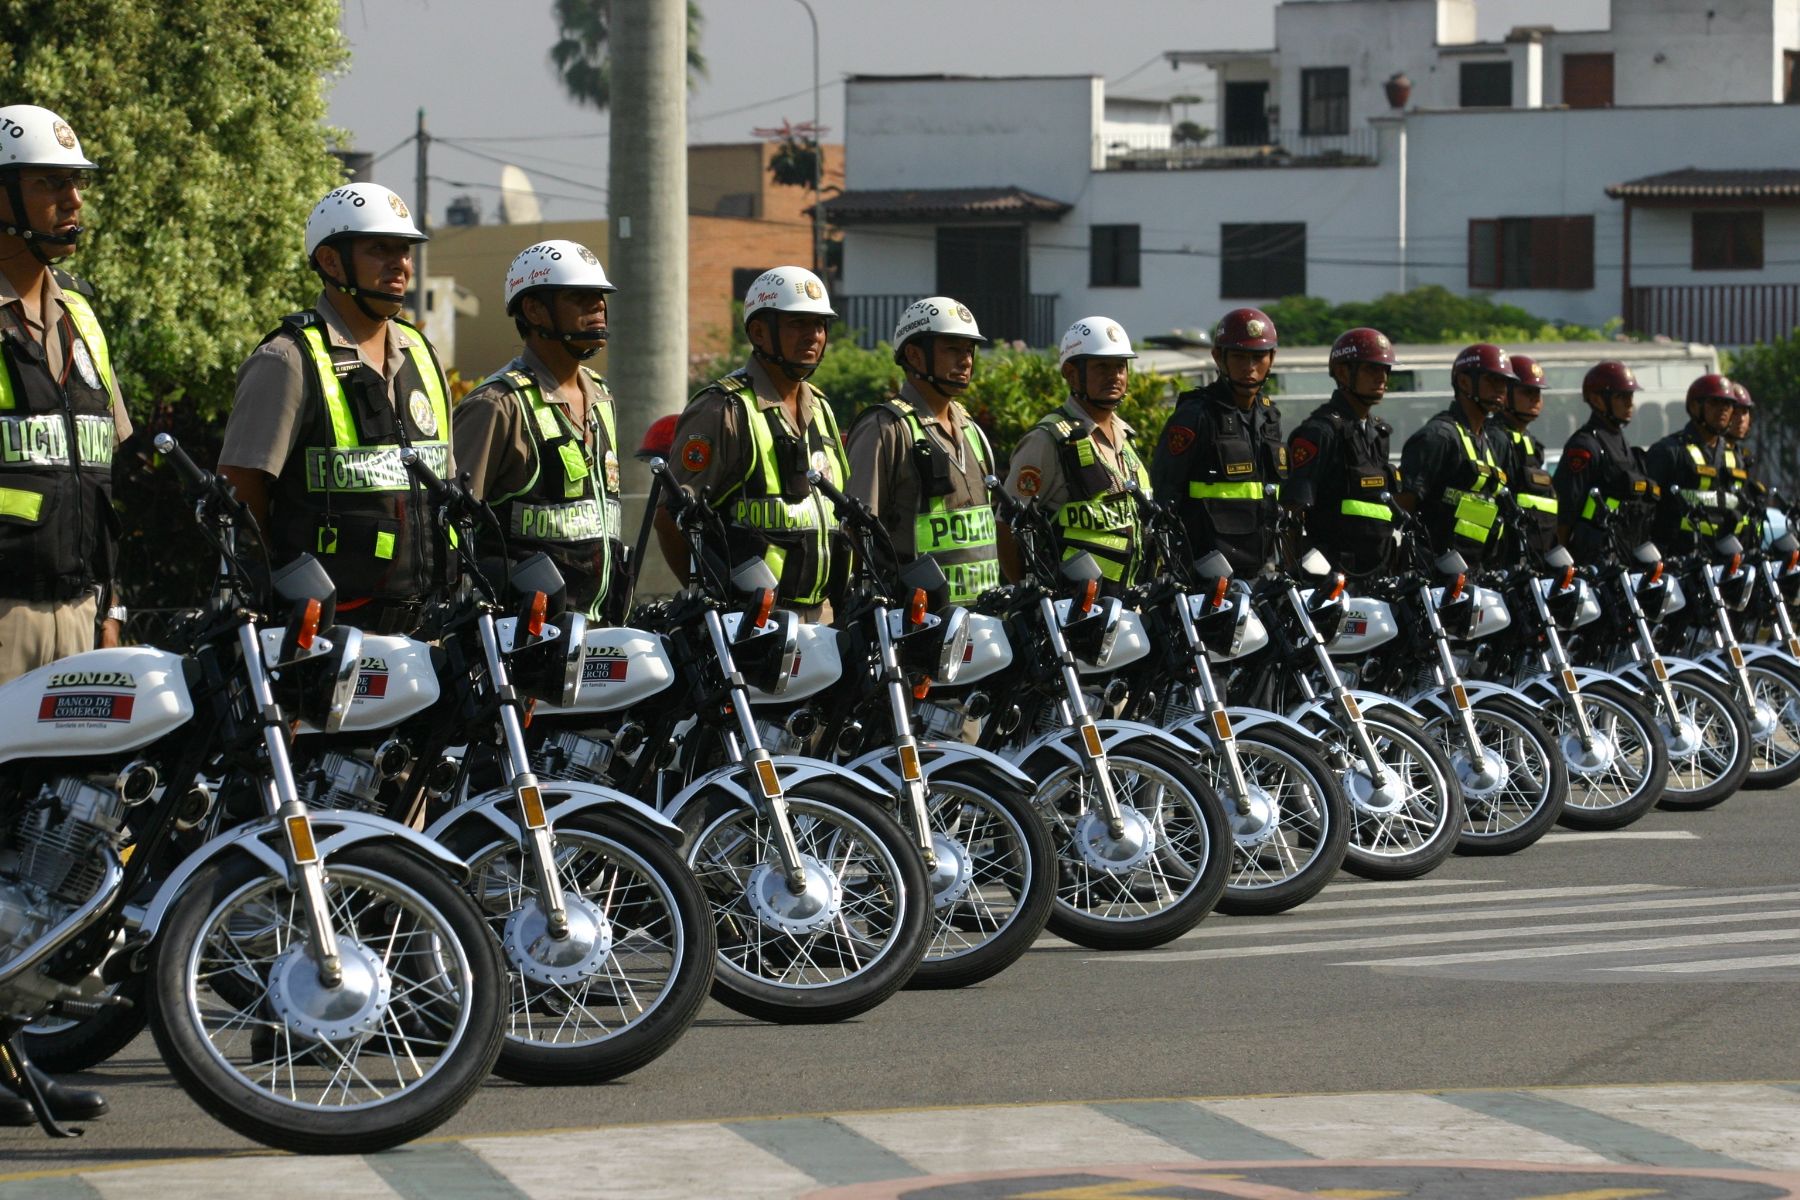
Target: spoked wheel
[
  {"x": 1150, "y": 882},
  {"x": 1622, "y": 775},
  {"x": 60, "y": 1045},
  {"x": 1515, "y": 792},
  {"x": 390, "y": 1052},
  {"x": 993, "y": 884},
  {"x": 839, "y": 947},
  {"x": 1708, "y": 740},
  {"x": 1406, "y": 822},
  {"x": 1774, "y": 723},
  {"x": 625, "y": 981},
  {"x": 1293, "y": 838}
]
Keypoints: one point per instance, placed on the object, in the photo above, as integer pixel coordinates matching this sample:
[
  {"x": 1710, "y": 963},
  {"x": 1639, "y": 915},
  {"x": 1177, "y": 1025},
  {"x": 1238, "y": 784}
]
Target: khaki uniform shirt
[
  {"x": 1037, "y": 470},
  {"x": 18, "y": 316},
  {"x": 492, "y": 442},
  {"x": 266, "y": 411},
  {"x": 711, "y": 450},
  {"x": 883, "y": 475}
]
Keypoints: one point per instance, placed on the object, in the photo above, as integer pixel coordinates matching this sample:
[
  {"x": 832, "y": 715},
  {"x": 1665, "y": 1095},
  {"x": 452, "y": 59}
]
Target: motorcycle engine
[
  {"x": 573, "y": 757},
  {"x": 346, "y": 781}
]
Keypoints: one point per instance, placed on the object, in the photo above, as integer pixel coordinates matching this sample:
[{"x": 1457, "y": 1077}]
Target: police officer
[
  {"x": 538, "y": 438},
  {"x": 1737, "y": 436},
  {"x": 747, "y": 441},
  {"x": 920, "y": 463},
  {"x": 1222, "y": 447},
  {"x": 1598, "y": 459},
  {"x": 1450, "y": 473},
  {"x": 1077, "y": 460},
  {"x": 1694, "y": 467},
  {"x": 1338, "y": 474},
  {"x": 61, "y": 418},
  {"x": 1522, "y": 458},
  {"x": 326, "y": 404}
]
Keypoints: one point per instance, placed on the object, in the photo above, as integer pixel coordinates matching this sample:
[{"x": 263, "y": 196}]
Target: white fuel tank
[
  {"x": 817, "y": 663},
  {"x": 98, "y": 702},
  {"x": 619, "y": 667},
  {"x": 1491, "y": 613},
  {"x": 395, "y": 680},
  {"x": 1368, "y": 623},
  {"x": 988, "y": 652}
]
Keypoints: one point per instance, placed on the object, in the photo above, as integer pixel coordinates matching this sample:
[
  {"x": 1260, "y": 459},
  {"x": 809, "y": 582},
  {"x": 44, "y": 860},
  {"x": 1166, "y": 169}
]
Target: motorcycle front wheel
[
  {"x": 1514, "y": 796},
  {"x": 1622, "y": 776},
  {"x": 386, "y": 1055},
  {"x": 1161, "y": 877},
  {"x": 847, "y": 942},
  {"x": 1405, "y": 824},
  {"x": 1708, "y": 740},
  {"x": 1774, "y": 723},
  {"x": 1293, "y": 840}
]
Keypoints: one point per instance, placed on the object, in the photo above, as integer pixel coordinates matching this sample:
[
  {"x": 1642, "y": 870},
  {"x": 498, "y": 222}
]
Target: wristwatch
[{"x": 116, "y": 613}]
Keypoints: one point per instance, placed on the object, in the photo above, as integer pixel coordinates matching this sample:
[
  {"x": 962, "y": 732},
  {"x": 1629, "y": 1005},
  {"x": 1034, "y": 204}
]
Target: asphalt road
[{"x": 1667, "y": 953}]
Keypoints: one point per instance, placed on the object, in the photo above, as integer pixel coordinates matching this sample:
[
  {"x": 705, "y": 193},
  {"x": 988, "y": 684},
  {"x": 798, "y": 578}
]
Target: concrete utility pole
[
  {"x": 647, "y": 353},
  {"x": 818, "y": 180},
  {"x": 421, "y": 202}
]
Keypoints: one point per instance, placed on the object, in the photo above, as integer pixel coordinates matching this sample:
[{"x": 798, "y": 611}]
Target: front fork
[
  {"x": 1451, "y": 681},
  {"x": 1646, "y": 650},
  {"x": 1334, "y": 683},
  {"x": 1075, "y": 713},
  {"x": 536, "y": 838},
  {"x": 1734, "y": 653},
  {"x": 1205, "y": 697},
  {"x": 1560, "y": 669},
  {"x": 1784, "y": 621},
  {"x": 906, "y": 746}
]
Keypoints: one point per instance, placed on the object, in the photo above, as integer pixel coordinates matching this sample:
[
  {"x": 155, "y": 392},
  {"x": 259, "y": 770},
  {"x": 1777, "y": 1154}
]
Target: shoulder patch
[
  {"x": 1031, "y": 481},
  {"x": 696, "y": 453},
  {"x": 1579, "y": 459},
  {"x": 1181, "y": 439},
  {"x": 1304, "y": 450}
]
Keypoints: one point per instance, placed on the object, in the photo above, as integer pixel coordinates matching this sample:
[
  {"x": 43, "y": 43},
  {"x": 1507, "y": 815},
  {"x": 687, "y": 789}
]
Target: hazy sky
[{"x": 481, "y": 71}]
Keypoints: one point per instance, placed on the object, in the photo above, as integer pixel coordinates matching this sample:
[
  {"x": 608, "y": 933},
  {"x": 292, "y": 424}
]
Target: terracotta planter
[{"x": 1399, "y": 90}]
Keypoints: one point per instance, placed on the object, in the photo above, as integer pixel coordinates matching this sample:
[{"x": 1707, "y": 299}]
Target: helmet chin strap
[
  {"x": 795, "y": 371},
  {"x": 35, "y": 239},
  {"x": 582, "y": 344},
  {"x": 949, "y": 387},
  {"x": 359, "y": 296}
]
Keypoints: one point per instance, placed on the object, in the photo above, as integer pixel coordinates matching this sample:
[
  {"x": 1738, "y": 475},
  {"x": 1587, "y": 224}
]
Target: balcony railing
[
  {"x": 1724, "y": 314},
  {"x": 1003, "y": 316},
  {"x": 1155, "y": 150}
]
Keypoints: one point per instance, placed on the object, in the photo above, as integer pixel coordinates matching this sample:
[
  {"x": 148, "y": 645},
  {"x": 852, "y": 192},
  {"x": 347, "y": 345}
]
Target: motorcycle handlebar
[{"x": 199, "y": 478}]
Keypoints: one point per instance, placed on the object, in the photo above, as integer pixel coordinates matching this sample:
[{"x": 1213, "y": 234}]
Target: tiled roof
[
  {"x": 931, "y": 204},
  {"x": 1693, "y": 183}
]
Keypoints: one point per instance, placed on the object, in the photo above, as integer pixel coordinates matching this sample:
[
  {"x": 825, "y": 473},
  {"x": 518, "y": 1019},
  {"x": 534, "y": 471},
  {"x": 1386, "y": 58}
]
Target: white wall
[
  {"x": 1662, "y": 241},
  {"x": 1375, "y": 39},
  {"x": 1712, "y": 51}
]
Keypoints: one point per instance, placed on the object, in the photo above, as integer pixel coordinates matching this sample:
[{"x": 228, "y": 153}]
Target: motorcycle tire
[
  {"x": 63, "y": 1046},
  {"x": 848, "y": 944},
  {"x": 1406, "y": 835},
  {"x": 1161, "y": 887},
  {"x": 1775, "y": 725},
  {"x": 409, "y": 937},
  {"x": 1711, "y": 756},
  {"x": 1506, "y": 814},
  {"x": 1286, "y": 851},
  {"x": 640, "y": 988},
  {"x": 1624, "y": 783},
  {"x": 994, "y": 883}
]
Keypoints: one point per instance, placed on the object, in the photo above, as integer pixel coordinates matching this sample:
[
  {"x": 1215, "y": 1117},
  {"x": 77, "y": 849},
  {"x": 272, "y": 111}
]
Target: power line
[
  {"x": 494, "y": 187},
  {"x": 457, "y": 146}
]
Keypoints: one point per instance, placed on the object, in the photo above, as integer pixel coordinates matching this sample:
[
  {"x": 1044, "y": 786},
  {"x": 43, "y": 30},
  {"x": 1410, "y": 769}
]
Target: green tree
[
  {"x": 1771, "y": 370},
  {"x": 580, "y": 51},
  {"x": 1425, "y": 314}
]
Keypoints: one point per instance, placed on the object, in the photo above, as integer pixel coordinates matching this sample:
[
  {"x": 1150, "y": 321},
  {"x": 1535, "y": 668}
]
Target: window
[
  {"x": 742, "y": 278},
  {"x": 1548, "y": 253},
  {"x": 1262, "y": 262},
  {"x": 1588, "y": 80},
  {"x": 1325, "y": 101},
  {"x": 1487, "y": 85},
  {"x": 1788, "y": 93},
  {"x": 1113, "y": 256},
  {"x": 1728, "y": 241}
]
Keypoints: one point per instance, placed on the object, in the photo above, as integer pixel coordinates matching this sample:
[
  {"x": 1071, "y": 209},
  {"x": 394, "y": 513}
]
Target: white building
[{"x": 1649, "y": 171}]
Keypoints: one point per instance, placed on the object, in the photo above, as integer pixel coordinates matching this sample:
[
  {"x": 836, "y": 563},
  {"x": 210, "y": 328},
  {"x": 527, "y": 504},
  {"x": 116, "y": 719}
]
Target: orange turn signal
[
  {"x": 1090, "y": 591},
  {"x": 1219, "y": 590},
  {"x": 915, "y": 612},
  {"x": 309, "y": 625},
  {"x": 765, "y": 600},
  {"x": 539, "y": 605}
]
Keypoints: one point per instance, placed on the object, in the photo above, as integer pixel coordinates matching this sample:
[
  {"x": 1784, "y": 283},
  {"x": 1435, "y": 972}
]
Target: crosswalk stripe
[
  {"x": 68, "y": 1187},
  {"x": 1750, "y": 1122},
  {"x": 1263, "y": 927},
  {"x": 284, "y": 1176},
  {"x": 1716, "y": 964},
  {"x": 1618, "y": 1141},
  {"x": 1668, "y": 943},
  {"x": 440, "y": 1171},
  {"x": 825, "y": 1149},
  {"x": 1555, "y": 893},
  {"x": 1384, "y": 941},
  {"x": 951, "y": 1143},
  {"x": 660, "y": 1162},
  {"x": 1396, "y": 1126},
  {"x": 1619, "y": 835},
  {"x": 1199, "y": 1131}
]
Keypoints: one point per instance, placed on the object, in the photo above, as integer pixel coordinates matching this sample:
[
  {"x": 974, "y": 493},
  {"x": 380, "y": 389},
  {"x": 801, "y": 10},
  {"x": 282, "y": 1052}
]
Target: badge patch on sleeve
[
  {"x": 1180, "y": 439},
  {"x": 696, "y": 453},
  {"x": 1304, "y": 451},
  {"x": 1579, "y": 459},
  {"x": 1031, "y": 481}
]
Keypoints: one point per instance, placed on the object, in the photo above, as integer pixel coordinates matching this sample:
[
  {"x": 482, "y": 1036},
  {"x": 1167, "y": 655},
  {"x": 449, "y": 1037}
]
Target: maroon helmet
[
  {"x": 1610, "y": 376},
  {"x": 1740, "y": 395},
  {"x": 1362, "y": 345},
  {"x": 1245, "y": 329},
  {"x": 1530, "y": 373},
  {"x": 1710, "y": 387},
  {"x": 1483, "y": 358},
  {"x": 659, "y": 439}
]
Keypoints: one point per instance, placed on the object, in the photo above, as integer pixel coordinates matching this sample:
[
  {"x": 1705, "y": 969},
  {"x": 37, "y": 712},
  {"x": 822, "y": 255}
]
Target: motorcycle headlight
[
  {"x": 765, "y": 654},
  {"x": 1090, "y": 638},
  {"x": 934, "y": 647},
  {"x": 549, "y": 667},
  {"x": 319, "y": 688},
  {"x": 1734, "y": 585}
]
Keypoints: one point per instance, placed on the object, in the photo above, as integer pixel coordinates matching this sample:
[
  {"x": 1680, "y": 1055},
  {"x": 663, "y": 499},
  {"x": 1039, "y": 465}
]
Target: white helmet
[
  {"x": 1095, "y": 337},
  {"x": 557, "y": 263},
  {"x": 788, "y": 290},
  {"x": 360, "y": 210},
  {"x": 935, "y": 314},
  {"x": 36, "y": 137}
]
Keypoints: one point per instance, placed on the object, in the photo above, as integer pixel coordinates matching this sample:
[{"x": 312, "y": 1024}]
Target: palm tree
[{"x": 579, "y": 54}]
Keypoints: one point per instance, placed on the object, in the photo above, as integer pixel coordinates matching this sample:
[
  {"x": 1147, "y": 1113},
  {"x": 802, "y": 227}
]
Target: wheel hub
[
  {"x": 1763, "y": 720},
  {"x": 780, "y": 907},
  {"x": 1682, "y": 737},
  {"x": 1103, "y": 852},
  {"x": 544, "y": 959},
  {"x": 1593, "y": 760},
  {"x": 954, "y": 872},
  {"x": 1368, "y": 798},
  {"x": 318, "y": 1013},
  {"x": 1480, "y": 781},
  {"x": 1257, "y": 825}
]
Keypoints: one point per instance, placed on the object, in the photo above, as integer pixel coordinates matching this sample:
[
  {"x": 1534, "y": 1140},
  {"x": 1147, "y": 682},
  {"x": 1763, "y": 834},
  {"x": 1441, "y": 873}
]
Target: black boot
[{"x": 66, "y": 1103}]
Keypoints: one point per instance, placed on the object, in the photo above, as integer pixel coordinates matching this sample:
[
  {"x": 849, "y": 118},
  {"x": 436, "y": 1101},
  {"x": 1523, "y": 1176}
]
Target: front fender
[
  {"x": 333, "y": 830},
  {"x": 1477, "y": 691},
  {"x": 882, "y": 764},
  {"x": 1324, "y": 707},
  {"x": 1718, "y": 672},
  {"x": 793, "y": 771},
  {"x": 1250, "y": 718},
  {"x": 1112, "y": 734},
  {"x": 1543, "y": 689},
  {"x": 562, "y": 798}
]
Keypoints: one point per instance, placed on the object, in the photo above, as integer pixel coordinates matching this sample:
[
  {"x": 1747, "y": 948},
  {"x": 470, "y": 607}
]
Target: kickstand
[{"x": 16, "y": 1075}]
